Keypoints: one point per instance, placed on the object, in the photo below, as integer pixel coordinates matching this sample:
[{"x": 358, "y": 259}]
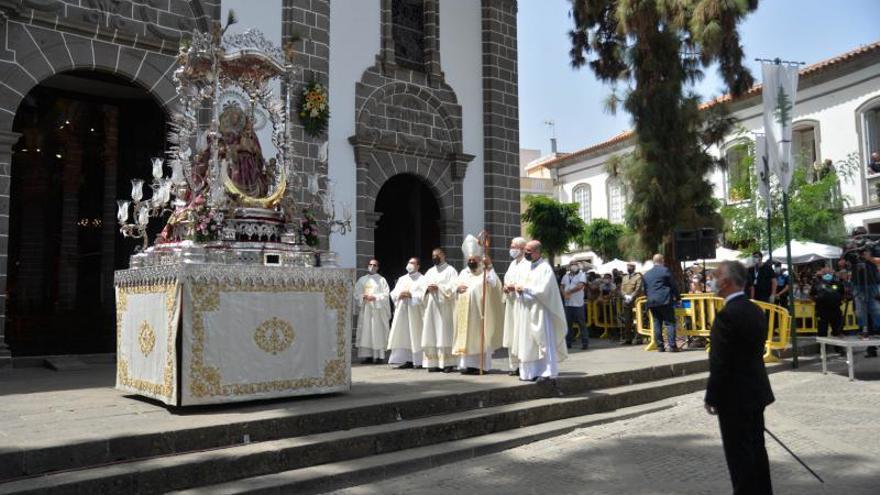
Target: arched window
[
  {"x": 582, "y": 197},
  {"x": 616, "y": 200},
  {"x": 736, "y": 156},
  {"x": 805, "y": 143},
  {"x": 868, "y": 119}
]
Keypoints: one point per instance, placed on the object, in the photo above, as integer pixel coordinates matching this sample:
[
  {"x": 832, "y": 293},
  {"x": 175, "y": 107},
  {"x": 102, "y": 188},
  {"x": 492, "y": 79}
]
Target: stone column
[
  {"x": 500, "y": 124},
  {"x": 7, "y": 140},
  {"x": 310, "y": 21}
]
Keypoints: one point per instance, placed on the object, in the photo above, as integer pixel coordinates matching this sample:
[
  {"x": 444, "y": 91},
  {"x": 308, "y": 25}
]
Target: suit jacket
[
  {"x": 660, "y": 288},
  {"x": 737, "y": 377}
]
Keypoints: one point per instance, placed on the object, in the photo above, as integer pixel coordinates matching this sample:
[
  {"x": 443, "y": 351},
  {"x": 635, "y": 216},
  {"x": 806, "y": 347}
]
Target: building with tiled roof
[{"x": 837, "y": 113}]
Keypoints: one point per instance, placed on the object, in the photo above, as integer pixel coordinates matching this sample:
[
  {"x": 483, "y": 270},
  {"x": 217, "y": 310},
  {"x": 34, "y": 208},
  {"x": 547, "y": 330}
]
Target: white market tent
[
  {"x": 609, "y": 267},
  {"x": 721, "y": 254},
  {"x": 805, "y": 252}
]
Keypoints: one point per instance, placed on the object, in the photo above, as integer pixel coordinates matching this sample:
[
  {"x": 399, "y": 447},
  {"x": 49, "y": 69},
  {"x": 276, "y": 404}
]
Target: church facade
[{"x": 422, "y": 142}]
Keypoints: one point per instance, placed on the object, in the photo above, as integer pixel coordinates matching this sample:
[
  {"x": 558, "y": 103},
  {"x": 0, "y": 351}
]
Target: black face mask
[
  {"x": 630, "y": 271},
  {"x": 530, "y": 256},
  {"x": 436, "y": 260},
  {"x": 473, "y": 265}
]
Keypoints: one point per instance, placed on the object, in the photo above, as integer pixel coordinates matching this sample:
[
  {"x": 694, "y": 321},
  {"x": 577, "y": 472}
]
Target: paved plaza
[
  {"x": 44, "y": 408},
  {"x": 830, "y": 422}
]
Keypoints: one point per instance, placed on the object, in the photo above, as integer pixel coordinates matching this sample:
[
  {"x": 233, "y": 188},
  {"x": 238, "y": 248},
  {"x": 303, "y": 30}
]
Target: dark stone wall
[{"x": 500, "y": 124}]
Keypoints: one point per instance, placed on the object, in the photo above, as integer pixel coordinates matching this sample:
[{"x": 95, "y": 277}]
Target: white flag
[
  {"x": 762, "y": 167},
  {"x": 779, "y": 91}
]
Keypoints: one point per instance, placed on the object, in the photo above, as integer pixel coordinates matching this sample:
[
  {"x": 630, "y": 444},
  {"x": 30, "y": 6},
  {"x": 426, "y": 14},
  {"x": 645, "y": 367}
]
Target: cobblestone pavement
[{"x": 831, "y": 423}]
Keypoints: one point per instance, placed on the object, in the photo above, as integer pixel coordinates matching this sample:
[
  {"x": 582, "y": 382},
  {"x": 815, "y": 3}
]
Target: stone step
[
  {"x": 211, "y": 467},
  {"x": 38, "y": 461},
  {"x": 329, "y": 477}
]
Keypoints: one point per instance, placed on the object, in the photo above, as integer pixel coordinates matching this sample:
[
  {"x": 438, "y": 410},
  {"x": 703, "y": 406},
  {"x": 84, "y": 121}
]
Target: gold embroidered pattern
[
  {"x": 274, "y": 336},
  {"x": 146, "y": 338},
  {"x": 165, "y": 389},
  {"x": 205, "y": 381}
]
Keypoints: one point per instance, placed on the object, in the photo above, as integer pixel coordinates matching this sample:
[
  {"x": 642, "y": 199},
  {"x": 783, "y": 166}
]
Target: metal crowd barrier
[
  {"x": 697, "y": 312},
  {"x": 806, "y": 322}
]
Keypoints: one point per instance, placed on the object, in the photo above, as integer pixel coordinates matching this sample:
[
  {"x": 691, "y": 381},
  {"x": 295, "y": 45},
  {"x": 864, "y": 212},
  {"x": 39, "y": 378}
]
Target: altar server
[
  {"x": 437, "y": 329},
  {"x": 405, "y": 341},
  {"x": 541, "y": 330},
  {"x": 477, "y": 334},
  {"x": 371, "y": 299},
  {"x": 512, "y": 304}
]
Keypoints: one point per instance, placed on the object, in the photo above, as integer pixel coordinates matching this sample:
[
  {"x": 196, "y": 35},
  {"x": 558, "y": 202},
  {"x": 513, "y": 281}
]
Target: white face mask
[
  {"x": 372, "y": 269},
  {"x": 514, "y": 253},
  {"x": 410, "y": 268}
]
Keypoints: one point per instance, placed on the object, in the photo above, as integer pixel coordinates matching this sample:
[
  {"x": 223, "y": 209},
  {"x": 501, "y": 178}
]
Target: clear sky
[{"x": 549, "y": 89}]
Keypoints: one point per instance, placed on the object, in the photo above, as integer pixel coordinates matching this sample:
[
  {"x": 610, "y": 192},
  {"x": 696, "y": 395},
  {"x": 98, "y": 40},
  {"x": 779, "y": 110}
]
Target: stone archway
[
  {"x": 408, "y": 124},
  {"x": 84, "y": 136},
  {"x": 408, "y": 224}
]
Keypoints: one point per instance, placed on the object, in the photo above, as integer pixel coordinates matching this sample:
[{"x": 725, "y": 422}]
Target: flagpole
[
  {"x": 792, "y": 327},
  {"x": 784, "y": 118}
]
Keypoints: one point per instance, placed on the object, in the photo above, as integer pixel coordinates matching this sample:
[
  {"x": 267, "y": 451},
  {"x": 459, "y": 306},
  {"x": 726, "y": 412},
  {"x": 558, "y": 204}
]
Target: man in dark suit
[
  {"x": 661, "y": 294},
  {"x": 738, "y": 388}
]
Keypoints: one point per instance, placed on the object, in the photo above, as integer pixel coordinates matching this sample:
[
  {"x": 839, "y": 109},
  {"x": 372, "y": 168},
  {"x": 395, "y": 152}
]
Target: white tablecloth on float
[{"x": 192, "y": 334}]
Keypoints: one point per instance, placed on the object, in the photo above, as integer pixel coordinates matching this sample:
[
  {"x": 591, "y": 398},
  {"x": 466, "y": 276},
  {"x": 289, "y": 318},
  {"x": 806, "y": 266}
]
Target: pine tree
[{"x": 655, "y": 48}]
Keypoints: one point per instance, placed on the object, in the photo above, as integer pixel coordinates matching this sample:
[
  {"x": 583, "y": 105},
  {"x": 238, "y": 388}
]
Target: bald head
[
  {"x": 658, "y": 259},
  {"x": 533, "y": 251}
]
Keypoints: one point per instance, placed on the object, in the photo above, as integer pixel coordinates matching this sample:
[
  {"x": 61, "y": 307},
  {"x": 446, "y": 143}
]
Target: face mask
[
  {"x": 410, "y": 268},
  {"x": 436, "y": 260},
  {"x": 514, "y": 253},
  {"x": 372, "y": 269},
  {"x": 574, "y": 269},
  {"x": 473, "y": 265},
  {"x": 828, "y": 277},
  {"x": 630, "y": 270},
  {"x": 531, "y": 257}
]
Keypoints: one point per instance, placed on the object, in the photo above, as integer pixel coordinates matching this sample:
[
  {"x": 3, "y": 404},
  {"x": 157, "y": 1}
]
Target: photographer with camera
[{"x": 865, "y": 278}]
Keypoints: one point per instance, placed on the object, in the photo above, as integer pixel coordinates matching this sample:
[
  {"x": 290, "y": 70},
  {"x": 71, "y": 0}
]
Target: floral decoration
[
  {"x": 314, "y": 109},
  {"x": 206, "y": 222},
  {"x": 309, "y": 228}
]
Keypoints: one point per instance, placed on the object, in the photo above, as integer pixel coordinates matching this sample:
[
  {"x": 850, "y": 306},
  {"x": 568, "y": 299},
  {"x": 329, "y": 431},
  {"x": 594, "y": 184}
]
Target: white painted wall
[
  {"x": 355, "y": 38},
  {"x": 461, "y": 60},
  {"x": 833, "y": 104}
]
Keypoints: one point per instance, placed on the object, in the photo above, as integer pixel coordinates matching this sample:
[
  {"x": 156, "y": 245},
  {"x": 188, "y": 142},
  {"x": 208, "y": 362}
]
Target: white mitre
[{"x": 471, "y": 247}]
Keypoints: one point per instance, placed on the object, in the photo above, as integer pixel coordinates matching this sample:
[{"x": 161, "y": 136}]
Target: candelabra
[
  {"x": 328, "y": 206},
  {"x": 141, "y": 209}
]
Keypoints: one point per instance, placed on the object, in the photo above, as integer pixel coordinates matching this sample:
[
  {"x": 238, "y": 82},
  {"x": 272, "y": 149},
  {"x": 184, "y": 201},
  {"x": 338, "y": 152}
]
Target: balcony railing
[{"x": 532, "y": 185}]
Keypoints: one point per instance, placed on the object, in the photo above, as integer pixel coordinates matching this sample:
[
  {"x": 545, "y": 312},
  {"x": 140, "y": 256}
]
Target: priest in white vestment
[
  {"x": 371, "y": 300},
  {"x": 437, "y": 329},
  {"x": 512, "y": 304},
  {"x": 477, "y": 333},
  {"x": 405, "y": 341},
  {"x": 541, "y": 333}
]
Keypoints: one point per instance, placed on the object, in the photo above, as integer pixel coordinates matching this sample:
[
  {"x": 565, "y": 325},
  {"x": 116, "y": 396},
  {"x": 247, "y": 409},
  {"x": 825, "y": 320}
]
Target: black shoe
[
  {"x": 543, "y": 379},
  {"x": 449, "y": 369},
  {"x": 626, "y": 342},
  {"x": 435, "y": 369},
  {"x": 585, "y": 347},
  {"x": 513, "y": 373},
  {"x": 405, "y": 366},
  {"x": 871, "y": 354},
  {"x": 661, "y": 349},
  {"x": 367, "y": 361},
  {"x": 378, "y": 361},
  {"x": 419, "y": 367},
  {"x": 470, "y": 371}
]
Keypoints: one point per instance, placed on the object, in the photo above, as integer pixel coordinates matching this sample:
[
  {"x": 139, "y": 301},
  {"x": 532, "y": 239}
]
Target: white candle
[
  {"x": 122, "y": 211},
  {"x": 137, "y": 189},
  {"x": 157, "y": 167}
]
